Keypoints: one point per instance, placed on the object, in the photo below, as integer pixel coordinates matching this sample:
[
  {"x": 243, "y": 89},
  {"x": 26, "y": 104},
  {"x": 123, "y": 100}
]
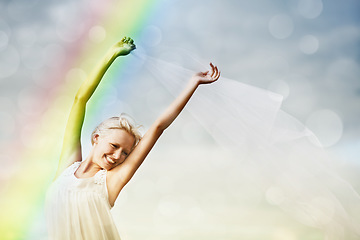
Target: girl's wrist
[
  {"x": 194, "y": 82},
  {"x": 111, "y": 55},
  {"x": 114, "y": 52}
]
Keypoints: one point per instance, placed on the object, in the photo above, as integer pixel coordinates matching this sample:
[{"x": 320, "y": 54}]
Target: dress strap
[
  {"x": 100, "y": 177},
  {"x": 72, "y": 168}
]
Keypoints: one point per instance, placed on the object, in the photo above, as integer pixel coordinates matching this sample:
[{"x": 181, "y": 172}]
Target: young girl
[{"x": 84, "y": 190}]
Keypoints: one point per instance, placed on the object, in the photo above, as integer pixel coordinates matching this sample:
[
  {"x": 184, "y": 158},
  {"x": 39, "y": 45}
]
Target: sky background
[{"x": 308, "y": 51}]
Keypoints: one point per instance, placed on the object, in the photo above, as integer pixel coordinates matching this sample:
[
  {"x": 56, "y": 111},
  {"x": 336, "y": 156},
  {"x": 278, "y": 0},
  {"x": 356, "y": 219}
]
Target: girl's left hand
[
  {"x": 208, "y": 76},
  {"x": 124, "y": 47}
]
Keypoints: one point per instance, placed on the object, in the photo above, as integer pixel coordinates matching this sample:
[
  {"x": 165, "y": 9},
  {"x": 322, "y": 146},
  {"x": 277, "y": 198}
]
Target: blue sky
[{"x": 307, "y": 50}]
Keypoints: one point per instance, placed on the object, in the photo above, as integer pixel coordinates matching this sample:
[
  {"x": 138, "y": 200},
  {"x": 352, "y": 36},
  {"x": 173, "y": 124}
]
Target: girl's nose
[{"x": 117, "y": 154}]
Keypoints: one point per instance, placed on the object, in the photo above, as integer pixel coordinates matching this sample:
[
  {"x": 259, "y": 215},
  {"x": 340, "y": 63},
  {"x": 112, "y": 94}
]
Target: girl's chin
[{"x": 105, "y": 164}]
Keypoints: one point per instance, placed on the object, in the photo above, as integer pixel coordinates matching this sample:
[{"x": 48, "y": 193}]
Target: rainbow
[{"x": 23, "y": 195}]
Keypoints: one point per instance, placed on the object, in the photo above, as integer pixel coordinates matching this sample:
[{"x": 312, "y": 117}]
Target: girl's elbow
[
  {"x": 80, "y": 98},
  {"x": 159, "y": 127}
]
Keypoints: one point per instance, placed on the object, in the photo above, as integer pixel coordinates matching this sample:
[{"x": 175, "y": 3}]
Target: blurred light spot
[
  {"x": 8, "y": 166},
  {"x": 63, "y": 102},
  {"x": 7, "y": 126},
  {"x": 69, "y": 32},
  {"x": 29, "y": 102},
  {"x": 41, "y": 78},
  {"x": 27, "y": 137},
  {"x": 51, "y": 118},
  {"x": 220, "y": 159},
  {"x": 250, "y": 172},
  {"x": 42, "y": 141},
  {"x": 281, "y": 87},
  {"x": 97, "y": 34},
  {"x": 89, "y": 63},
  {"x": 281, "y": 26},
  {"x": 301, "y": 94},
  {"x": 274, "y": 195},
  {"x": 144, "y": 187},
  {"x": 309, "y": 44},
  {"x": 195, "y": 215},
  {"x": 33, "y": 57},
  {"x": 10, "y": 61},
  {"x": 327, "y": 126},
  {"x": 244, "y": 193},
  {"x": 284, "y": 234},
  {"x": 344, "y": 73},
  {"x": 98, "y": 7},
  {"x": 151, "y": 36},
  {"x": 310, "y": 8},
  {"x": 169, "y": 206},
  {"x": 26, "y": 36},
  {"x": 54, "y": 55},
  {"x": 4, "y": 40},
  {"x": 6, "y": 104},
  {"x": 164, "y": 225},
  {"x": 164, "y": 184},
  {"x": 217, "y": 201},
  {"x": 300, "y": 84},
  {"x": 65, "y": 16},
  {"x": 74, "y": 77},
  {"x": 192, "y": 132}
]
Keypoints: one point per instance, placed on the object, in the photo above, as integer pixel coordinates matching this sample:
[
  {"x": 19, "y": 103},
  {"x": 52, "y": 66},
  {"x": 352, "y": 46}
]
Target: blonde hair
[{"x": 123, "y": 122}]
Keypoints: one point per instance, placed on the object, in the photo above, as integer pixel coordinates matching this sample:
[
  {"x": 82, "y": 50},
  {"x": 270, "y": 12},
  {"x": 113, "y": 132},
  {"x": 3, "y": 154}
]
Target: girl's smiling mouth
[{"x": 109, "y": 160}]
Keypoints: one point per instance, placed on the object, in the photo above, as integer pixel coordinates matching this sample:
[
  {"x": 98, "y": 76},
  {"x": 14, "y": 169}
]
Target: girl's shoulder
[
  {"x": 69, "y": 170},
  {"x": 72, "y": 168}
]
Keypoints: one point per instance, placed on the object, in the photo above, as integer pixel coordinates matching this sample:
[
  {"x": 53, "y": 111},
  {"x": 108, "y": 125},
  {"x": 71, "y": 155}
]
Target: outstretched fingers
[
  {"x": 215, "y": 73},
  {"x": 213, "y": 70},
  {"x": 129, "y": 41}
]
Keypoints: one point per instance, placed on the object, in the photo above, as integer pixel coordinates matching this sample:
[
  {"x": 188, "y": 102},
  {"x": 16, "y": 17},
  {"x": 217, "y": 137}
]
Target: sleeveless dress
[{"x": 79, "y": 209}]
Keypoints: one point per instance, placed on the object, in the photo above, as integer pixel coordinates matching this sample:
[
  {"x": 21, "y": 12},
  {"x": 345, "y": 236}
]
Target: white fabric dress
[{"x": 79, "y": 208}]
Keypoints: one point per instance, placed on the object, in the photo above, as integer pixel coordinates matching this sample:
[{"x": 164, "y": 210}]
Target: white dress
[{"x": 79, "y": 208}]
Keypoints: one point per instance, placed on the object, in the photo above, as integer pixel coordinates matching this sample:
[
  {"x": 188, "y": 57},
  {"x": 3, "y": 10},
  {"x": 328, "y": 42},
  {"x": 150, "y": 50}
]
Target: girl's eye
[
  {"x": 113, "y": 145},
  {"x": 125, "y": 154}
]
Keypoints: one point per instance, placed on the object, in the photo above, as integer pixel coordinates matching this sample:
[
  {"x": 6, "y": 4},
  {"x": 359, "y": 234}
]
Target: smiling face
[{"x": 112, "y": 148}]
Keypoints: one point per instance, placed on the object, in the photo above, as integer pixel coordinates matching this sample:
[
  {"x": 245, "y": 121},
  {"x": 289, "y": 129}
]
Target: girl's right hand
[
  {"x": 208, "y": 76},
  {"x": 124, "y": 47}
]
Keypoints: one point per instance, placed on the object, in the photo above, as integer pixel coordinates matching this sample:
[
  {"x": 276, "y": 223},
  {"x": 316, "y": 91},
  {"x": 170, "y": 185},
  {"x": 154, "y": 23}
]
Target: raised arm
[
  {"x": 122, "y": 174},
  {"x": 71, "y": 149}
]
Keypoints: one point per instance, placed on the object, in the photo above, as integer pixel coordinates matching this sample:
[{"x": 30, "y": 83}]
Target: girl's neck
[{"x": 87, "y": 168}]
